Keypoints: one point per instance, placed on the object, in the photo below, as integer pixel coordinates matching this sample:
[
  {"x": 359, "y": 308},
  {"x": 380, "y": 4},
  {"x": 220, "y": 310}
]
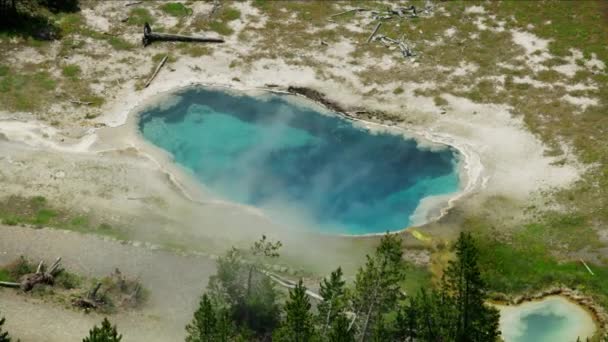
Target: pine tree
[
  {"x": 225, "y": 327},
  {"x": 3, "y": 334},
  {"x": 298, "y": 325},
  {"x": 340, "y": 331},
  {"x": 333, "y": 293},
  {"x": 245, "y": 291},
  {"x": 203, "y": 325},
  {"x": 406, "y": 322},
  {"x": 377, "y": 284},
  {"x": 105, "y": 333},
  {"x": 462, "y": 284}
]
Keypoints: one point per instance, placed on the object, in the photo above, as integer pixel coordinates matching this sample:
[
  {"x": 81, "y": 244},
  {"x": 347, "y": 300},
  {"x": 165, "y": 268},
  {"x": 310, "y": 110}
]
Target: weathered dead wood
[
  {"x": 133, "y": 3},
  {"x": 318, "y": 97},
  {"x": 150, "y": 37},
  {"x": 90, "y": 301},
  {"x": 289, "y": 284},
  {"x": 160, "y": 65},
  {"x": 55, "y": 267},
  {"x": 39, "y": 268},
  {"x": 78, "y": 102},
  {"x": 41, "y": 276},
  {"x": 9, "y": 284},
  {"x": 349, "y": 11},
  {"x": 587, "y": 267},
  {"x": 369, "y": 39},
  {"x": 405, "y": 49}
]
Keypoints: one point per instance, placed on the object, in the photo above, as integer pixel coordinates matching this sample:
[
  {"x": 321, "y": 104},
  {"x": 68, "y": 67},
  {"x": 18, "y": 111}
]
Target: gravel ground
[{"x": 175, "y": 283}]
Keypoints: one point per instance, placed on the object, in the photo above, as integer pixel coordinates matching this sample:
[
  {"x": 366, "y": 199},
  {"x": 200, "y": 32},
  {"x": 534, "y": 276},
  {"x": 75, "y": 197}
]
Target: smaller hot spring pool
[
  {"x": 553, "y": 319},
  {"x": 303, "y": 166}
]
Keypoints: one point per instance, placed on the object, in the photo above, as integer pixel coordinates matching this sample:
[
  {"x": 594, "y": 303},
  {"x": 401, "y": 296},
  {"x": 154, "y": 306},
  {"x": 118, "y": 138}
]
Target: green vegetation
[
  {"x": 524, "y": 263},
  {"x": 116, "y": 290},
  {"x": 453, "y": 311},
  {"x": 105, "y": 333},
  {"x": 16, "y": 210},
  {"x": 139, "y": 16},
  {"x": 176, "y": 9},
  {"x": 219, "y": 22},
  {"x": 120, "y": 44},
  {"x": 16, "y": 88}
]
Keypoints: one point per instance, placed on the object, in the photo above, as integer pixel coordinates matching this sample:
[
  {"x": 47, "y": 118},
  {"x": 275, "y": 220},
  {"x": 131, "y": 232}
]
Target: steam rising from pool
[{"x": 304, "y": 167}]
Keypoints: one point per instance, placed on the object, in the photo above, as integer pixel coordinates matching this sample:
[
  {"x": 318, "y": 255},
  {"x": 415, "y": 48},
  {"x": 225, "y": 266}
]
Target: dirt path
[{"x": 175, "y": 283}]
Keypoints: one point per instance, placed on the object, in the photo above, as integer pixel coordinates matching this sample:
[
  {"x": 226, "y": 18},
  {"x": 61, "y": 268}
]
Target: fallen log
[
  {"x": 349, "y": 11},
  {"x": 369, "y": 39},
  {"x": 316, "y": 96},
  {"x": 160, "y": 65},
  {"x": 587, "y": 267},
  {"x": 289, "y": 284},
  {"x": 133, "y": 3},
  {"x": 150, "y": 37},
  {"x": 9, "y": 284},
  {"x": 78, "y": 102}
]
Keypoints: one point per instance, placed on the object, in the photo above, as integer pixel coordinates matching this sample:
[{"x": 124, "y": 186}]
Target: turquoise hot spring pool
[{"x": 299, "y": 163}]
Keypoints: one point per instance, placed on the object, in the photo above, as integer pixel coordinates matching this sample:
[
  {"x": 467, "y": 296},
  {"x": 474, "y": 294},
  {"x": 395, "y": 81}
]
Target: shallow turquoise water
[
  {"x": 303, "y": 167},
  {"x": 551, "y": 320}
]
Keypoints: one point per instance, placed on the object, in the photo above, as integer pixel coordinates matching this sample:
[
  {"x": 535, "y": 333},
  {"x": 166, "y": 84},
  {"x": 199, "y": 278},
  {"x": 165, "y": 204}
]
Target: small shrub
[
  {"x": 20, "y": 267},
  {"x": 398, "y": 91},
  {"x": 10, "y": 221},
  {"x": 4, "y": 70},
  {"x": 38, "y": 201},
  {"x": 5, "y": 275},
  {"x": 176, "y": 9},
  {"x": 68, "y": 280},
  {"x": 44, "y": 216},
  {"x": 71, "y": 71}
]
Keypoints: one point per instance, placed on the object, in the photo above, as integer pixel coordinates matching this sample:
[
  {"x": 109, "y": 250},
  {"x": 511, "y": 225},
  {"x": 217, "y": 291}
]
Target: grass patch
[
  {"x": 139, "y": 16},
  {"x": 220, "y": 23},
  {"x": 195, "y": 50},
  {"x": 16, "y": 210},
  {"x": 120, "y": 44},
  {"x": 17, "y": 87},
  {"x": 4, "y": 70},
  {"x": 5, "y": 275},
  {"x": 71, "y": 71},
  {"x": 524, "y": 263},
  {"x": 176, "y": 9}
]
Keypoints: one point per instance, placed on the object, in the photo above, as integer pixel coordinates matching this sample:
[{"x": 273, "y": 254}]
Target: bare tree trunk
[{"x": 150, "y": 37}]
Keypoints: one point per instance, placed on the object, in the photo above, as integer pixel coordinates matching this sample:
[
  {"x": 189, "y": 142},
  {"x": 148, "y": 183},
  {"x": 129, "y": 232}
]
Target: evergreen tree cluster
[
  {"x": 4, "y": 337},
  {"x": 242, "y": 302}
]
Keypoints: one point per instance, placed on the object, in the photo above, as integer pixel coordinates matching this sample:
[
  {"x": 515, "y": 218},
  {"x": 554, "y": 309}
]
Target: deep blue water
[{"x": 298, "y": 164}]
